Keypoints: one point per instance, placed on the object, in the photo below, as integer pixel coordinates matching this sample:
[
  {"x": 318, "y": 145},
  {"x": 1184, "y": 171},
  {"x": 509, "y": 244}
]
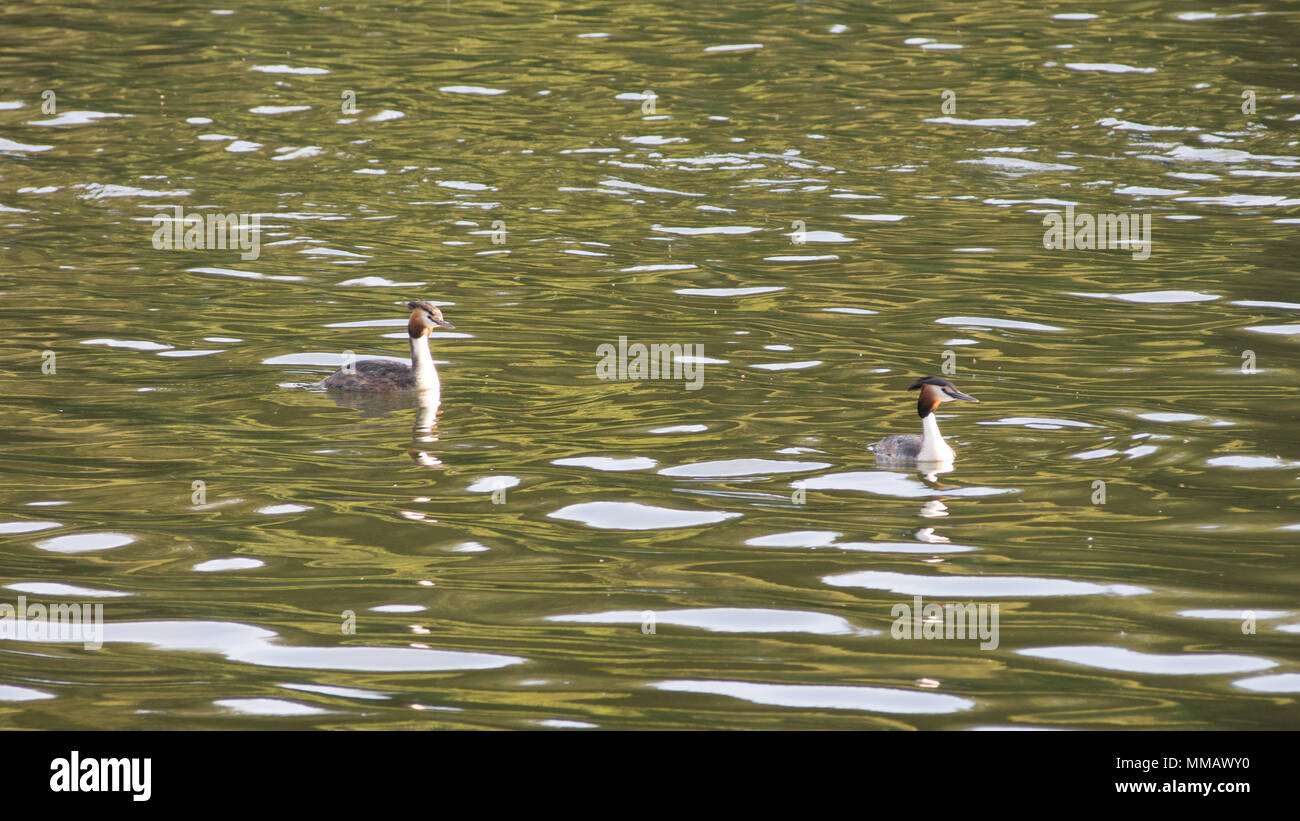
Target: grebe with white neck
[
  {"x": 386, "y": 375},
  {"x": 929, "y": 446}
]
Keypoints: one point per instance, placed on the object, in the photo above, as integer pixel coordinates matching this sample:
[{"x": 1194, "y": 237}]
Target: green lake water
[{"x": 785, "y": 188}]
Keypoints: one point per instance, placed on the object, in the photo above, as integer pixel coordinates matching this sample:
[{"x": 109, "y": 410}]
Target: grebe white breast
[
  {"x": 929, "y": 446},
  {"x": 386, "y": 375}
]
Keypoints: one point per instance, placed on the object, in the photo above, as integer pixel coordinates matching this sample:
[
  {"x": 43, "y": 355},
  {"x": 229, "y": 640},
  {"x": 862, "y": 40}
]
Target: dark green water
[{"x": 673, "y": 222}]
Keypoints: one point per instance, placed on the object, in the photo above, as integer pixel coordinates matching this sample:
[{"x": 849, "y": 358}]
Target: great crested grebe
[
  {"x": 929, "y": 446},
  {"x": 386, "y": 375}
]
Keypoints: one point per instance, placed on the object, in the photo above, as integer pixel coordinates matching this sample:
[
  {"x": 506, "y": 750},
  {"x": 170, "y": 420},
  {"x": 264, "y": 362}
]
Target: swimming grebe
[
  {"x": 929, "y": 446},
  {"x": 386, "y": 375}
]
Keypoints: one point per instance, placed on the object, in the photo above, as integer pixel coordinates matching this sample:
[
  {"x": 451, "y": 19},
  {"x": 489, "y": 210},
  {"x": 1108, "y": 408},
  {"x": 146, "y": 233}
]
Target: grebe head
[
  {"x": 425, "y": 317},
  {"x": 934, "y": 391}
]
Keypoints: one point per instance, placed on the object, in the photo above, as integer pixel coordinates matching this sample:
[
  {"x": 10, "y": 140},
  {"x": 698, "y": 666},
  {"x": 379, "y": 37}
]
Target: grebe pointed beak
[
  {"x": 444, "y": 323},
  {"x": 956, "y": 394}
]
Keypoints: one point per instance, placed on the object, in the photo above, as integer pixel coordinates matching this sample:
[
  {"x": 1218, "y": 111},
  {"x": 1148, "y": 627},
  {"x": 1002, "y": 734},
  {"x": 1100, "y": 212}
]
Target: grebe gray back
[
  {"x": 386, "y": 375},
  {"x": 929, "y": 446}
]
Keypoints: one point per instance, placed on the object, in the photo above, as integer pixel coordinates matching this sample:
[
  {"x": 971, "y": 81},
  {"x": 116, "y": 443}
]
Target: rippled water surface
[{"x": 785, "y": 185}]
